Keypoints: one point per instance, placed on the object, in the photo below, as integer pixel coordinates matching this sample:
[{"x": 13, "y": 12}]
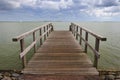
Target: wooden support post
[
  {"x": 70, "y": 28},
  {"x": 47, "y": 30},
  {"x": 97, "y": 49},
  {"x": 77, "y": 32},
  {"x": 45, "y": 34},
  {"x": 22, "y": 46},
  {"x": 34, "y": 38},
  {"x": 74, "y": 30},
  {"x": 80, "y": 36},
  {"x": 40, "y": 35},
  {"x": 52, "y": 27},
  {"x": 86, "y": 38}
]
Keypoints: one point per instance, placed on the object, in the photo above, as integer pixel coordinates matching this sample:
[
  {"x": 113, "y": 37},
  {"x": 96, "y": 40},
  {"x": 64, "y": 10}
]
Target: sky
[{"x": 59, "y": 10}]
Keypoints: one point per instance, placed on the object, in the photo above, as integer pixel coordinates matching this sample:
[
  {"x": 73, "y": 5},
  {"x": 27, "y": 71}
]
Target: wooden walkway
[{"x": 60, "y": 54}]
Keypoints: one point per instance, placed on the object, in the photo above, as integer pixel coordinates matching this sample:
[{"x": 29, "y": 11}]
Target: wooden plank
[
  {"x": 61, "y": 77},
  {"x": 60, "y": 61},
  {"x": 60, "y": 55},
  {"x": 62, "y": 71}
]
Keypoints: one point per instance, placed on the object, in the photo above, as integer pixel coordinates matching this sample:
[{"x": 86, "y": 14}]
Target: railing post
[
  {"x": 47, "y": 30},
  {"x": 34, "y": 38},
  {"x": 74, "y": 30},
  {"x": 80, "y": 36},
  {"x": 86, "y": 38},
  {"x": 41, "y": 37},
  {"x": 52, "y": 27},
  {"x": 97, "y": 49},
  {"x": 70, "y": 28},
  {"x": 22, "y": 46},
  {"x": 77, "y": 32},
  {"x": 45, "y": 34}
]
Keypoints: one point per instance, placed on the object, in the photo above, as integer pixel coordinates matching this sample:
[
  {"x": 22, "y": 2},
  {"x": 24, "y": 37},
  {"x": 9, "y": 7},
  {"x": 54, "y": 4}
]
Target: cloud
[
  {"x": 9, "y": 4},
  {"x": 49, "y": 4},
  {"x": 42, "y": 4},
  {"x": 98, "y": 8},
  {"x": 107, "y": 3}
]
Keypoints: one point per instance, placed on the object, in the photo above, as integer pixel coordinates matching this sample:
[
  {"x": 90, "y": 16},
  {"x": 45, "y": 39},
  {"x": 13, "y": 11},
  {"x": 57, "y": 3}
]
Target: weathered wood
[
  {"x": 40, "y": 38},
  {"x": 76, "y": 33},
  {"x": 90, "y": 32},
  {"x": 34, "y": 38},
  {"x": 61, "y": 71},
  {"x": 96, "y": 53},
  {"x": 47, "y": 29},
  {"x": 24, "y": 50},
  {"x": 22, "y": 46},
  {"x": 61, "y": 77},
  {"x": 80, "y": 36},
  {"x": 74, "y": 30},
  {"x": 22, "y": 54},
  {"x": 44, "y": 35},
  {"x": 52, "y": 29},
  {"x": 70, "y": 28},
  {"x": 86, "y": 39},
  {"x": 58, "y": 55},
  {"x": 28, "y": 33},
  {"x": 98, "y": 38},
  {"x": 97, "y": 49}
]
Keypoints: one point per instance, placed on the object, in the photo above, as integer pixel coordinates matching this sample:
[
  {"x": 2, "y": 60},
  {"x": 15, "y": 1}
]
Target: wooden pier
[{"x": 60, "y": 52}]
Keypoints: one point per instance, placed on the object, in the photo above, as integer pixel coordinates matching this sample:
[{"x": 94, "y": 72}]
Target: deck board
[{"x": 60, "y": 54}]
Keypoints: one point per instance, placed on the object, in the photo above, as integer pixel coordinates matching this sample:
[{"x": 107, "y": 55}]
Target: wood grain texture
[{"x": 60, "y": 54}]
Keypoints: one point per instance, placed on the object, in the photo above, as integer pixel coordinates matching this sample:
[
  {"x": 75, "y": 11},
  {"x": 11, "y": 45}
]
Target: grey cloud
[
  {"x": 9, "y": 4},
  {"x": 106, "y": 3},
  {"x": 4, "y": 5}
]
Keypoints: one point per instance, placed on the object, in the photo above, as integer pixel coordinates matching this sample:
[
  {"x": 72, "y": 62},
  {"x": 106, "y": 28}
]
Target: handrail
[
  {"x": 78, "y": 33},
  {"x": 29, "y": 32},
  {"x": 47, "y": 29},
  {"x": 90, "y": 32}
]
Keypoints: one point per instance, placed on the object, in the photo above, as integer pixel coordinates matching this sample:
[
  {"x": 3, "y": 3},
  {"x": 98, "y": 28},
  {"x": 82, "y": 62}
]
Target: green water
[{"x": 9, "y": 51}]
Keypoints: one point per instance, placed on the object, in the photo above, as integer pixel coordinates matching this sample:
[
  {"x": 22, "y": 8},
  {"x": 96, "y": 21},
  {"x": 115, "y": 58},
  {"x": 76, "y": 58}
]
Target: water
[{"x": 110, "y": 50}]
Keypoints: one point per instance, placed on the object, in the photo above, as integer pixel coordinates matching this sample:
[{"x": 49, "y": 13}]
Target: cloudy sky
[{"x": 60, "y": 10}]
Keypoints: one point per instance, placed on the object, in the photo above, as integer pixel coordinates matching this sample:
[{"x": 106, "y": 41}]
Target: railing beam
[
  {"x": 21, "y": 37},
  {"x": 98, "y": 38}
]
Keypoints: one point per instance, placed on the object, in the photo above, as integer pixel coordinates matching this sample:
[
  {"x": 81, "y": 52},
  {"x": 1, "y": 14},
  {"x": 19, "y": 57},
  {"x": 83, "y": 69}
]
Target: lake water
[{"x": 109, "y": 50}]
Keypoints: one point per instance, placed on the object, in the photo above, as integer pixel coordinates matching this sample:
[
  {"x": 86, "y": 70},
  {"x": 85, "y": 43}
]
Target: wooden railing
[
  {"x": 77, "y": 31},
  {"x": 47, "y": 29}
]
